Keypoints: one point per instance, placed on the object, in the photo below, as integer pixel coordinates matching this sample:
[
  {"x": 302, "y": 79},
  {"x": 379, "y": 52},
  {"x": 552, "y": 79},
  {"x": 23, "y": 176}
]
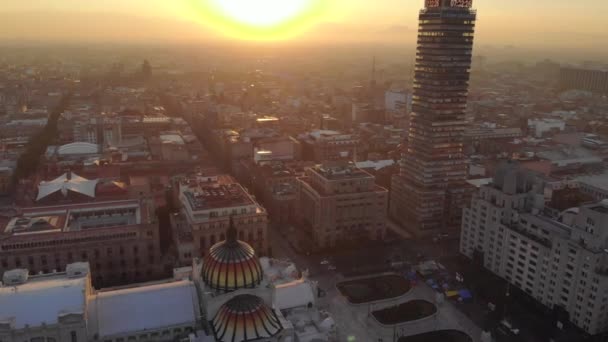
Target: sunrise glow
[{"x": 260, "y": 19}]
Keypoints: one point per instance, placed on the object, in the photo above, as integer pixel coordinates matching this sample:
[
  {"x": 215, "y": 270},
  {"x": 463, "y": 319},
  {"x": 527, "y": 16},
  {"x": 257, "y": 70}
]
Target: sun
[
  {"x": 262, "y": 13},
  {"x": 260, "y": 19}
]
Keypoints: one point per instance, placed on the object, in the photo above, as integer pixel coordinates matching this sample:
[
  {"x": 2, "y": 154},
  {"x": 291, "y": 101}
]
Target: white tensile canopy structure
[{"x": 65, "y": 183}]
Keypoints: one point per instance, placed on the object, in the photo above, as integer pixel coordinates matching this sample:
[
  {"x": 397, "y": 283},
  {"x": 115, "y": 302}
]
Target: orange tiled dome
[
  {"x": 245, "y": 318},
  {"x": 231, "y": 265}
]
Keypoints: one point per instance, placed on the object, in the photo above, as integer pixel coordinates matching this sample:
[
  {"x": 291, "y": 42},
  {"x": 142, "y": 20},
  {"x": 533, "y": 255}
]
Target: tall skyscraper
[{"x": 430, "y": 191}]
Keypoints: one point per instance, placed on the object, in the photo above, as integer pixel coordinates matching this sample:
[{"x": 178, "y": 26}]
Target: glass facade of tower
[{"x": 432, "y": 180}]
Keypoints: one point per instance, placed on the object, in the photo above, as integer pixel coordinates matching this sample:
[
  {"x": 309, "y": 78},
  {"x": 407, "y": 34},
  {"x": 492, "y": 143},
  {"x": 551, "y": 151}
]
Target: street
[{"x": 354, "y": 322}]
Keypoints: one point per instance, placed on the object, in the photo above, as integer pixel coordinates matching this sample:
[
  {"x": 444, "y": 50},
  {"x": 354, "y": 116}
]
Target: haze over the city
[
  {"x": 303, "y": 170},
  {"x": 520, "y": 23}
]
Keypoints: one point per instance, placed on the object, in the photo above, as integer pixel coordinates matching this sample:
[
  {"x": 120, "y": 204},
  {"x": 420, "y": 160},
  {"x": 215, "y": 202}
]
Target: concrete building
[
  {"x": 594, "y": 185},
  {"x": 119, "y": 238},
  {"x": 340, "y": 203},
  {"x": 207, "y": 204},
  {"x": 322, "y": 145},
  {"x": 398, "y": 104},
  {"x": 488, "y": 138},
  {"x": 543, "y": 127},
  {"x": 173, "y": 147},
  {"x": 558, "y": 258},
  {"x": 45, "y": 308},
  {"x": 428, "y": 194},
  {"x": 229, "y": 295},
  {"x": 595, "y": 81}
]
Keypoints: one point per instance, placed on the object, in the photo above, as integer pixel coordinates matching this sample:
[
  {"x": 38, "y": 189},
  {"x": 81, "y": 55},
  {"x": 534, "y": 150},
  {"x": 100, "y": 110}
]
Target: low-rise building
[
  {"x": 229, "y": 295},
  {"x": 594, "y": 185},
  {"x": 120, "y": 239},
  {"x": 207, "y": 204}
]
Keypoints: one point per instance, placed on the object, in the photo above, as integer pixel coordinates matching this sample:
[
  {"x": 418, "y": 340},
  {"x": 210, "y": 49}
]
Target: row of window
[{"x": 60, "y": 242}]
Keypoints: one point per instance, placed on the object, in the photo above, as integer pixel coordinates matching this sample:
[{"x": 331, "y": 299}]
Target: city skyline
[
  {"x": 390, "y": 21},
  {"x": 303, "y": 170}
]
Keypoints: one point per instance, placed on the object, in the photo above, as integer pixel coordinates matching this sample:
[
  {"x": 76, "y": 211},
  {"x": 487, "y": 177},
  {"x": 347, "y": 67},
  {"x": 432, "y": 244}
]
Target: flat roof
[
  {"x": 41, "y": 300},
  {"x": 52, "y": 219},
  {"x": 148, "y": 307},
  {"x": 597, "y": 181},
  {"x": 339, "y": 172},
  {"x": 217, "y": 192}
]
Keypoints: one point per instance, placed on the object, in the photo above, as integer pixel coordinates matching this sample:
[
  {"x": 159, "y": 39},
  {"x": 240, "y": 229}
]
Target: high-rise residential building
[
  {"x": 338, "y": 202},
  {"x": 430, "y": 190},
  {"x": 557, "y": 257}
]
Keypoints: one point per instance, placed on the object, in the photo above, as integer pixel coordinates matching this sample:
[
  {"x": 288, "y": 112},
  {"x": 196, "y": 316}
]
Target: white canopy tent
[{"x": 65, "y": 183}]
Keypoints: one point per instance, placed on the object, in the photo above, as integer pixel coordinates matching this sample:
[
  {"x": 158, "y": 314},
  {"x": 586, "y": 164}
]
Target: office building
[
  {"x": 430, "y": 190},
  {"x": 557, "y": 257},
  {"x": 320, "y": 146},
  {"x": 207, "y": 204},
  {"x": 118, "y": 238},
  {"x": 340, "y": 203}
]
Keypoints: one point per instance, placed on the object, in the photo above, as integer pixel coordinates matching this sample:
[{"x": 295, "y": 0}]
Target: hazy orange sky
[{"x": 573, "y": 23}]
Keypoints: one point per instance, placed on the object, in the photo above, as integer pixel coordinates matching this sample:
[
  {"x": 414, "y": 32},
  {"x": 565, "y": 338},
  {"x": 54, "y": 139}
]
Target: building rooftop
[
  {"x": 66, "y": 183},
  {"x": 323, "y": 134},
  {"x": 42, "y": 299},
  {"x": 375, "y": 164},
  {"x": 340, "y": 171},
  {"x": 602, "y": 207},
  {"x": 599, "y": 181},
  {"x": 156, "y": 119},
  {"x": 204, "y": 193},
  {"x": 74, "y": 217},
  {"x": 172, "y": 139},
  {"x": 143, "y": 308}
]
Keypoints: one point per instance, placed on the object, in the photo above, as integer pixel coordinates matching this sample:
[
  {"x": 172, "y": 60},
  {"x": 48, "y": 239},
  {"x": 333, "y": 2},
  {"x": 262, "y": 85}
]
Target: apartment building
[{"x": 558, "y": 258}]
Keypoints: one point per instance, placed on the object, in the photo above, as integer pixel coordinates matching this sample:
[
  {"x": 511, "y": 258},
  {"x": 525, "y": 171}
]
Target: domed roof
[
  {"x": 245, "y": 318},
  {"x": 231, "y": 265}
]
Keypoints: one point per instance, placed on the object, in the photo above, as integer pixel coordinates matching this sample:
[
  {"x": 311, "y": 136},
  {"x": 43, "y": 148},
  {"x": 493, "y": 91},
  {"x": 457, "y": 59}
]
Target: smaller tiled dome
[
  {"x": 231, "y": 265},
  {"x": 245, "y": 318}
]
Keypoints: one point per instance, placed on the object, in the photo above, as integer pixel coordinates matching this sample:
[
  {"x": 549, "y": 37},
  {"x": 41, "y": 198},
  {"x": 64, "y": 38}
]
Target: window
[{"x": 73, "y": 337}]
